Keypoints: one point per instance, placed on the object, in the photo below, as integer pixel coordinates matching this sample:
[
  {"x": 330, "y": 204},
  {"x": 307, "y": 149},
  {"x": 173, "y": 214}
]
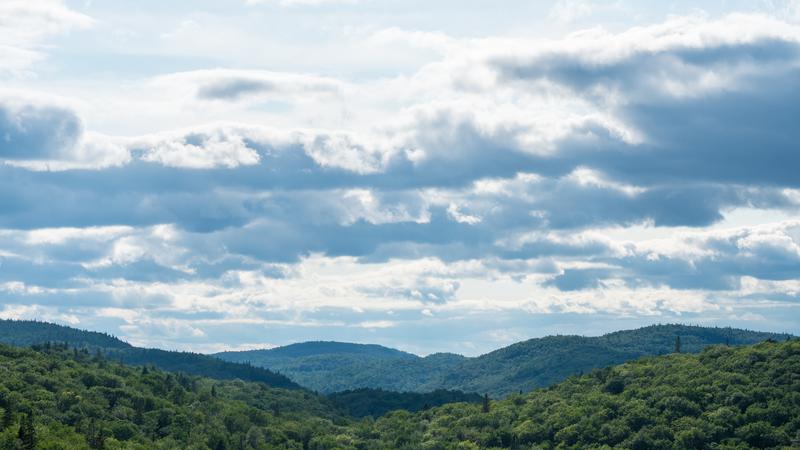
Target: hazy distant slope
[
  {"x": 519, "y": 367},
  {"x": 315, "y": 348},
  {"x": 26, "y": 333},
  {"x": 338, "y": 366}
]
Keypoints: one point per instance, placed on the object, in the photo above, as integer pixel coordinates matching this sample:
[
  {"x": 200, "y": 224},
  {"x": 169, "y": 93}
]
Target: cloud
[
  {"x": 30, "y": 131},
  {"x": 444, "y": 193},
  {"x": 46, "y": 133},
  {"x": 236, "y": 85},
  {"x": 300, "y": 2},
  {"x": 27, "y": 24},
  {"x": 199, "y": 150},
  {"x": 565, "y": 11}
]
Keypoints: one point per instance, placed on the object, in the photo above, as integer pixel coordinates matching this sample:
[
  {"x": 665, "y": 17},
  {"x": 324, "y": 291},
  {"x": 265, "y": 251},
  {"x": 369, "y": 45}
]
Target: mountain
[
  {"x": 54, "y": 397},
  {"x": 335, "y": 366},
  {"x": 520, "y": 367},
  {"x": 331, "y": 348},
  {"x": 26, "y": 333}
]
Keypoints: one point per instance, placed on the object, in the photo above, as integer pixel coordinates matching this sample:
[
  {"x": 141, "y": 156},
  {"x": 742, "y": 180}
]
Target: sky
[{"x": 435, "y": 176}]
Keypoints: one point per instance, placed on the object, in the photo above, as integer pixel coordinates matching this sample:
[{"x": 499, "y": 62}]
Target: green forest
[
  {"x": 56, "y": 397},
  {"x": 332, "y": 367},
  {"x": 26, "y": 333}
]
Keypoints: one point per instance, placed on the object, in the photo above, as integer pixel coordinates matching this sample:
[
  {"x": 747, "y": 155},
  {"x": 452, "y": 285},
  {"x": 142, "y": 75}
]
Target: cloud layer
[{"x": 592, "y": 175}]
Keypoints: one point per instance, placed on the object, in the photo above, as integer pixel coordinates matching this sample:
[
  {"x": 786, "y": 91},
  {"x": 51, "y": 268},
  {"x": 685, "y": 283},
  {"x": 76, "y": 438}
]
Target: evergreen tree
[
  {"x": 27, "y": 432},
  {"x": 8, "y": 417},
  {"x": 677, "y": 344},
  {"x": 486, "y": 405},
  {"x": 95, "y": 437}
]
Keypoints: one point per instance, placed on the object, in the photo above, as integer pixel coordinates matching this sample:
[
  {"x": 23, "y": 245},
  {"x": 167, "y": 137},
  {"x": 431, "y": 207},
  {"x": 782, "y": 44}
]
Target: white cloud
[
  {"x": 25, "y": 26},
  {"x": 300, "y": 2}
]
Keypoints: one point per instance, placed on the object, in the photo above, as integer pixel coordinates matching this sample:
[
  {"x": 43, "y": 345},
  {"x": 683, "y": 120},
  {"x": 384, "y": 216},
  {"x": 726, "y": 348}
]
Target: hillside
[
  {"x": 73, "y": 400},
  {"x": 329, "y": 348},
  {"x": 541, "y": 362},
  {"x": 377, "y": 402},
  {"x": 335, "y": 366},
  {"x": 726, "y": 398},
  {"x": 26, "y": 333},
  {"x": 520, "y": 367},
  {"x": 723, "y": 398}
]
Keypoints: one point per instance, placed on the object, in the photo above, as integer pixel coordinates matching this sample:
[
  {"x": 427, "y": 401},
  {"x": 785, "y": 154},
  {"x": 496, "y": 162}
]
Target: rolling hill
[
  {"x": 54, "y": 397},
  {"x": 723, "y": 398},
  {"x": 334, "y": 366},
  {"x": 26, "y": 333},
  {"x": 519, "y": 367}
]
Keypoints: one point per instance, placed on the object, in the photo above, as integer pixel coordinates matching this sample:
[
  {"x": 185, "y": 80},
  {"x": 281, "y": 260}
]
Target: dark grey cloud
[
  {"x": 233, "y": 89},
  {"x": 743, "y": 132},
  {"x": 643, "y": 73},
  {"x": 578, "y": 279}
]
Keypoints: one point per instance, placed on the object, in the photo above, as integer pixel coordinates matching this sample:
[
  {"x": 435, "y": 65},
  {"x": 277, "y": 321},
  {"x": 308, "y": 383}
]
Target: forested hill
[
  {"x": 334, "y": 367},
  {"x": 541, "y": 362},
  {"x": 330, "y": 348},
  {"x": 26, "y": 333},
  {"x": 54, "y": 397},
  {"x": 337, "y": 367},
  {"x": 520, "y": 367},
  {"x": 61, "y": 398},
  {"x": 723, "y": 398}
]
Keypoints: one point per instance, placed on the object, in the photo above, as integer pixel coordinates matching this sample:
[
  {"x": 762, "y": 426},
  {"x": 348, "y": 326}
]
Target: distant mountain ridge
[
  {"x": 329, "y": 367},
  {"x": 523, "y": 366},
  {"x": 25, "y": 333},
  {"x": 312, "y": 348}
]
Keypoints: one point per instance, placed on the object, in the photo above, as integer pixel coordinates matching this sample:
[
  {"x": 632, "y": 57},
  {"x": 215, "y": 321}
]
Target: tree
[
  {"x": 486, "y": 405},
  {"x": 27, "y": 432},
  {"x": 96, "y": 437},
  {"x": 677, "y": 344},
  {"x": 8, "y": 417}
]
